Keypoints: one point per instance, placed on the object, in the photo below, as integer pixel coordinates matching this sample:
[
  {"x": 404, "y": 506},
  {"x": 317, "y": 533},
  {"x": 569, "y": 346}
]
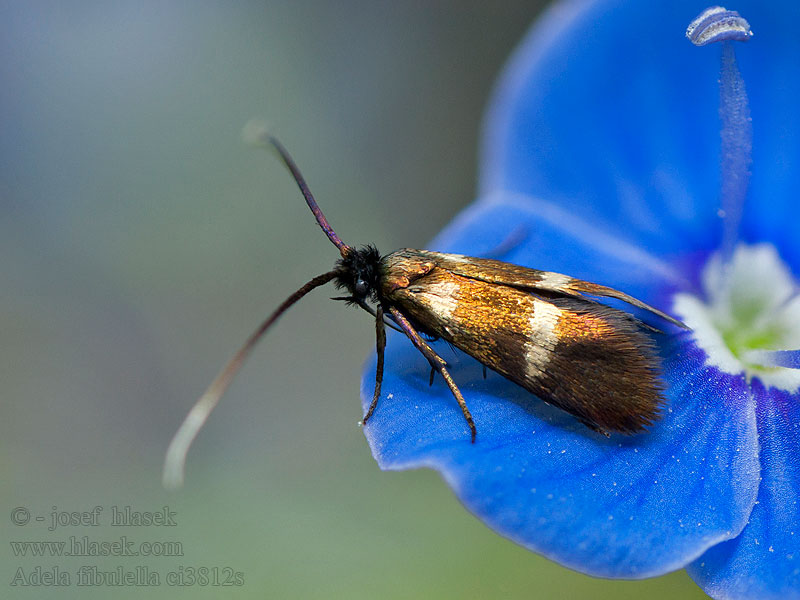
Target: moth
[{"x": 538, "y": 329}]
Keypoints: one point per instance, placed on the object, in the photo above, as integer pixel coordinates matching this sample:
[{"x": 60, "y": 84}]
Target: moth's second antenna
[{"x": 257, "y": 133}]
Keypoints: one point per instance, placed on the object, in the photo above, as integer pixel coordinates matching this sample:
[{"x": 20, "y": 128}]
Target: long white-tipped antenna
[
  {"x": 175, "y": 460},
  {"x": 255, "y": 132}
]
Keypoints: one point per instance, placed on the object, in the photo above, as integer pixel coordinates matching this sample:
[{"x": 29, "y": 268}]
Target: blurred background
[{"x": 141, "y": 242}]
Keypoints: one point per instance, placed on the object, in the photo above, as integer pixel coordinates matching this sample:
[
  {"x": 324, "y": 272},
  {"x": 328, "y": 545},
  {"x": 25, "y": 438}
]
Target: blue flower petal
[
  {"x": 616, "y": 116},
  {"x": 628, "y": 506},
  {"x": 764, "y": 562},
  {"x": 607, "y": 108},
  {"x": 770, "y": 70}
]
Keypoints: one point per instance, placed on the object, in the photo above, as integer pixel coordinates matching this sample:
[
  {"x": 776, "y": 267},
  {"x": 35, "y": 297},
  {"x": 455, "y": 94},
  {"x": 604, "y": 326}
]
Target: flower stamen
[
  {"x": 717, "y": 24},
  {"x": 750, "y": 319},
  {"x": 789, "y": 359}
]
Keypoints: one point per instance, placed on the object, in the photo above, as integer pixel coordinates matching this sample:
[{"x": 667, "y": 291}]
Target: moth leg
[
  {"x": 366, "y": 307},
  {"x": 374, "y": 313},
  {"x": 437, "y": 362},
  {"x": 460, "y": 399},
  {"x": 484, "y": 371},
  {"x": 380, "y": 342},
  {"x": 433, "y": 372}
]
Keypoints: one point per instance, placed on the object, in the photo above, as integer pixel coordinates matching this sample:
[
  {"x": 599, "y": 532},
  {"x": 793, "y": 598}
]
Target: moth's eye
[{"x": 361, "y": 287}]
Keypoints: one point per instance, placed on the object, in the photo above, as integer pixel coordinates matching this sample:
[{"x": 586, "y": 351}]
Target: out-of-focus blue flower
[{"x": 601, "y": 151}]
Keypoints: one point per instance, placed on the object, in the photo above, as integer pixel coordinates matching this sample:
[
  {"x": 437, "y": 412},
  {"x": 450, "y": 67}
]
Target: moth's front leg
[{"x": 380, "y": 342}]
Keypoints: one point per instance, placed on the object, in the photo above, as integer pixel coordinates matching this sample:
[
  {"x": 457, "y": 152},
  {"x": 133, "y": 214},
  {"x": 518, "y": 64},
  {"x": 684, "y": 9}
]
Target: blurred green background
[{"x": 141, "y": 242}]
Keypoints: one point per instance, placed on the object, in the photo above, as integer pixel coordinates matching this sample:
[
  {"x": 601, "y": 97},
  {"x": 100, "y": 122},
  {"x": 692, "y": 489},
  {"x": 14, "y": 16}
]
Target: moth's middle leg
[{"x": 437, "y": 363}]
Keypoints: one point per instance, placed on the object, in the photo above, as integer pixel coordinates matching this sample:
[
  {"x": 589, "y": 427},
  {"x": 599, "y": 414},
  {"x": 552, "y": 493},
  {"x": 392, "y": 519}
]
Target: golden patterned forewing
[
  {"x": 588, "y": 359},
  {"x": 495, "y": 271}
]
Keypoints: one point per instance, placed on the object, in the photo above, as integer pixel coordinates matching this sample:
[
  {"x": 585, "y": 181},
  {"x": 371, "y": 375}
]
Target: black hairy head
[{"x": 360, "y": 272}]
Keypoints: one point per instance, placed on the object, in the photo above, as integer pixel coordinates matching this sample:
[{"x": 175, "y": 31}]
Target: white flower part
[
  {"x": 750, "y": 304},
  {"x": 717, "y": 24}
]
